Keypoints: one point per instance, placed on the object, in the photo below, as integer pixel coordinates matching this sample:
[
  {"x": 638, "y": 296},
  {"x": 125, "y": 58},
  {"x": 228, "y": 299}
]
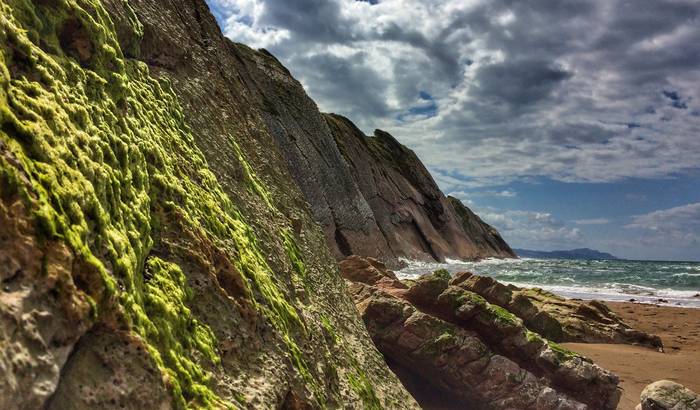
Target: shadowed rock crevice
[{"x": 428, "y": 396}]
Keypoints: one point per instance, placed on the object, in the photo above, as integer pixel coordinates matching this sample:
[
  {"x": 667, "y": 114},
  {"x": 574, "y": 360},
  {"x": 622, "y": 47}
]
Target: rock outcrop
[
  {"x": 476, "y": 352},
  {"x": 414, "y": 216},
  {"x": 668, "y": 395},
  {"x": 155, "y": 251},
  {"x": 371, "y": 195},
  {"x": 557, "y": 318}
]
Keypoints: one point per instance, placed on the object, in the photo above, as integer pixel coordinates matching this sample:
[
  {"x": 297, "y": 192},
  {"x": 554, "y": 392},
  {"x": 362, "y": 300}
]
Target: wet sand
[{"x": 679, "y": 329}]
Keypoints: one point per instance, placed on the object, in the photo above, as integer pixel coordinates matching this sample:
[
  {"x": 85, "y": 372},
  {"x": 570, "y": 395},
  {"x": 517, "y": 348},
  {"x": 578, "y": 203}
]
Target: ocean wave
[{"x": 670, "y": 297}]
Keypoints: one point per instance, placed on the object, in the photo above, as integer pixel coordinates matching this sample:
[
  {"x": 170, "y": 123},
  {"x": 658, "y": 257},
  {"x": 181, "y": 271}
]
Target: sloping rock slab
[
  {"x": 457, "y": 341},
  {"x": 557, "y": 318},
  {"x": 451, "y": 358}
]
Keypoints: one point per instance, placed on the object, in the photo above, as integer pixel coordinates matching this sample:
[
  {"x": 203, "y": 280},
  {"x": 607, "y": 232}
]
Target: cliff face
[
  {"x": 411, "y": 211},
  {"x": 371, "y": 196},
  {"x": 312, "y": 156},
  {"x": 155, "y": 252}
]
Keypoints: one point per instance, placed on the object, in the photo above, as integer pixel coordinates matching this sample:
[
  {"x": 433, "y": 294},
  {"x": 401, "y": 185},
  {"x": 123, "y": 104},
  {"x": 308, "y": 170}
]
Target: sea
[{"x": 665, "y": 283}]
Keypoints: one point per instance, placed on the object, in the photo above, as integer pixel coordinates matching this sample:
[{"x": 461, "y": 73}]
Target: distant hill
[{"x": 581, "y": 253}]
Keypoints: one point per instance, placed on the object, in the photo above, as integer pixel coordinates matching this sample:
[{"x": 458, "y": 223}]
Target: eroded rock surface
[
  {"x": 155, "y": 250},
  {"x": 460, "y": 343},
  {"x": 486, "y": 237},
  {"x": 415, "y": 217},
  {"x": 557, "y": 318},
  {"x": 668, "y": 395}
]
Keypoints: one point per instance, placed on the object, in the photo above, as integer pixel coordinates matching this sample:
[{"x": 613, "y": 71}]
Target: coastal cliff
[
  {"x": 155, "y": 252},
  {"x": 372, "y": 196},
  {"x": 488, "y": 240},
  {"x": 414, "y": 216},
  {"x": 172, "y": 205}
]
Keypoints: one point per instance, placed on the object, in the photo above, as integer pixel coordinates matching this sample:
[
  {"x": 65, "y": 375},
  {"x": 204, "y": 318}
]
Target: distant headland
[{"x": 581, "y": 253}]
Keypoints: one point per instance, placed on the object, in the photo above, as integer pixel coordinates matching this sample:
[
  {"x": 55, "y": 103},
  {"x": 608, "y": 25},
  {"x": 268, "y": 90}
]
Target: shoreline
[{"x": 679, "y": 329}]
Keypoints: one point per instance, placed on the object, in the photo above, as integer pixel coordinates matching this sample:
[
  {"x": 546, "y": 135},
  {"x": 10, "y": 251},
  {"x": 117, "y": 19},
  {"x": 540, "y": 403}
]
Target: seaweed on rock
[{"x": 100, "y": 145}]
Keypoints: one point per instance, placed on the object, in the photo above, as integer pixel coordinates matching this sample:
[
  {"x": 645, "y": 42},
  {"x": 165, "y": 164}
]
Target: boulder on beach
[{"x": 668, "y": 395}]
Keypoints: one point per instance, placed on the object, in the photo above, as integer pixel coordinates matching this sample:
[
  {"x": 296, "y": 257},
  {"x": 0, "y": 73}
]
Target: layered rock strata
[
  {"x": 557, "y": 318},
  {"x": 414, "y": 216},
  {"x": 486, "y": 237},
  {"x": 371, "y": 195},
  {"x": 155, "y": 251},
  {"x": 454, "y": 340}
]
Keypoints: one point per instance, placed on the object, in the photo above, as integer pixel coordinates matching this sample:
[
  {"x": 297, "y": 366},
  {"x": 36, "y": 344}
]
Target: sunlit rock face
[
  {"x": 371, "y": 195},
  {"x": 156, "y": 251}
]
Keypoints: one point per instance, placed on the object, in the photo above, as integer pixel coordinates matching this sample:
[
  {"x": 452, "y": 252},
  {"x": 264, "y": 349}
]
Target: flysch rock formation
[
  {"x": 412, "y": 213},
  {"x": 155, "y": 251},
  {"x": 371, "y": 195},
  {"x": 437, "y": 333},
  {"x": 487, "y": 239},
  {"x": 557, "y": 318}
]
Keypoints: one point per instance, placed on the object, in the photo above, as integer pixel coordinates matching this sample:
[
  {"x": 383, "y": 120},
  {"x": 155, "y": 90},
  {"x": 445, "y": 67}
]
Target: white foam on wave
[
  {"x": 685, "y": 274},
  {"x": 670, "y": 296}
]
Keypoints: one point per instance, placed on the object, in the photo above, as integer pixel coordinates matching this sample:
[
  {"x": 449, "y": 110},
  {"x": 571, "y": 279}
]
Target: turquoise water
[{"x": 646, "y": 281}]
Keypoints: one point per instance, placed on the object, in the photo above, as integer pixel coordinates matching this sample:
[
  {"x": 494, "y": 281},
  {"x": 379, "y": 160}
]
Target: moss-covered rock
[
  {"x": 129, "y": 216},
  {"x": 555, "y": 317}
]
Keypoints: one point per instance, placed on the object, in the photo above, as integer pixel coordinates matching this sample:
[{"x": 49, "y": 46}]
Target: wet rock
[{"x": 668, "y": 395}]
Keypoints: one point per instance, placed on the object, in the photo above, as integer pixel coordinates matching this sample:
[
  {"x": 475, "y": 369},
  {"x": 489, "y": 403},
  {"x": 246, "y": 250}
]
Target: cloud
[
  {"x": 595, "y": 91},
  {"x": 679, "y": 226},
  {"x": 535, "y": 229},
  {"x": 506, "y": 193},
  {"x": 594, "y": 221}
]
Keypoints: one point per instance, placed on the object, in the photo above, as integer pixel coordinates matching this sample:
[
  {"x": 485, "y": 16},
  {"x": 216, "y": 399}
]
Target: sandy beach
[{"x": 679, "y": 328}]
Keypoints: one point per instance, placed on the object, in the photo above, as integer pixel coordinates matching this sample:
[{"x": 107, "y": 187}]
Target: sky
[{"x": 562, "y": 123}]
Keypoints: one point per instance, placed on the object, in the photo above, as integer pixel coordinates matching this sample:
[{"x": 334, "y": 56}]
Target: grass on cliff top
[{"x": 94, "y": 144}]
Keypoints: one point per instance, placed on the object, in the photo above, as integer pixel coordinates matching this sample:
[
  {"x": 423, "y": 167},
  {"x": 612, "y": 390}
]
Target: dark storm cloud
[
  {"x": 599, "y": 90},
  {"x": 332, "y": 77},
  {"x": 518, "y": 83},
  {"x": 308, "y": 20}
]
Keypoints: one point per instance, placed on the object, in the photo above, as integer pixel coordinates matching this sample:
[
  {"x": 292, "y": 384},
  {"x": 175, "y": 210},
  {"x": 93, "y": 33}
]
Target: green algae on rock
[{"x": 99, "y": 146}]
